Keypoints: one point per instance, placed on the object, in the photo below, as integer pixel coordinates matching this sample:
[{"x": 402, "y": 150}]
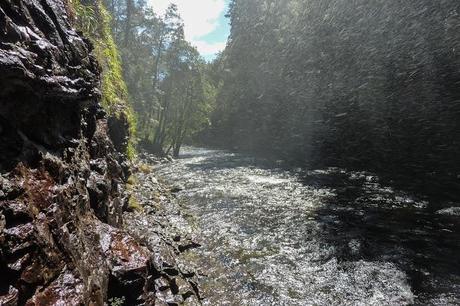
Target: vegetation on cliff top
[
  {"x": 95, "y": 22},
  {"x": 146, "y": 60}
]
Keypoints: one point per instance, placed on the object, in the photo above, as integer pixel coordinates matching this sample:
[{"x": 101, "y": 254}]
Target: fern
[{"x": 86, "y": 20}]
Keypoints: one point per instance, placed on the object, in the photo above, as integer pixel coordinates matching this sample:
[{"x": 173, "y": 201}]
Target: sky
[{"x": 205, "y": 24}]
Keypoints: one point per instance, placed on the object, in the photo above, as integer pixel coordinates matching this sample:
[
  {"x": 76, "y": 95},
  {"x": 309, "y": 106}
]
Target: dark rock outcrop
[
  {"x": 61, "y": 183},
  {"x": 119, "y": 131}
]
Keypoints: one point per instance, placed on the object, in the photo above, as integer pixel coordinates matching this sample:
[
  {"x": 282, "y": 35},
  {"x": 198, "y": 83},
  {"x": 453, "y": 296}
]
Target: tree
[
  {"x": 164, "y": 75},
  {"x": 358, "y": 84}
]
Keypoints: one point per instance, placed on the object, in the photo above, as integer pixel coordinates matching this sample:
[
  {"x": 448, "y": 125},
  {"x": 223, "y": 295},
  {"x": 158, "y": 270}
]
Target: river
[{"x": 272, "y": 236}]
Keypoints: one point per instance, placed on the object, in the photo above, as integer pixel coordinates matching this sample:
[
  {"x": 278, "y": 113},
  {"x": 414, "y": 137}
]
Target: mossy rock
[{"x": 134, "y": 204}]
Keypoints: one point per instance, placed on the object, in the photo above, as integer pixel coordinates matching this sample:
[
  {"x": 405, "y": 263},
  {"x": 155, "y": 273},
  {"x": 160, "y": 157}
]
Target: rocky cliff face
[{"x": 61, "y": 183}]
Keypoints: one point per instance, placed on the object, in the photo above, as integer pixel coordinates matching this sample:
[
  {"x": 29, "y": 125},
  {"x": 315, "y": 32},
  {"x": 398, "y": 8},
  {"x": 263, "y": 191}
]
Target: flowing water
[{"x": 326, "y": 237}]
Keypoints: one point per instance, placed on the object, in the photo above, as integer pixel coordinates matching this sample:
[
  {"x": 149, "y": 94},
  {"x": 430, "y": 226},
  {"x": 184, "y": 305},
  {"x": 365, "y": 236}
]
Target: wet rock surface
[
  {"x": 159, "y": 224},
  {"x": 62, "y": 194},
  {"x": 325, "y": 237}
]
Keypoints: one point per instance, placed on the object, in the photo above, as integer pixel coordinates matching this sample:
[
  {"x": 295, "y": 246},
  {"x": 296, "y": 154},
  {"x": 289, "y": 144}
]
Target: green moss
[
  {"x": 134, "y": 204},
  {"x": 94, "y": 21},
  {"x": 144, "y": 168},
  {"x": 132, "y": 182}
]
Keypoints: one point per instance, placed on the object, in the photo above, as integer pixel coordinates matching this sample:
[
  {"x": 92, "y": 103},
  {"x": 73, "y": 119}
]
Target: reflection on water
[{"x": 324, "y": 237}]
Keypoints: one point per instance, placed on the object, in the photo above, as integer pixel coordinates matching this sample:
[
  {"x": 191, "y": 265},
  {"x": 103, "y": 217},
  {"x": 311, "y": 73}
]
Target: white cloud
[
  {"x": 200, "y": 18},
  {"x": 206, "y": 48}
]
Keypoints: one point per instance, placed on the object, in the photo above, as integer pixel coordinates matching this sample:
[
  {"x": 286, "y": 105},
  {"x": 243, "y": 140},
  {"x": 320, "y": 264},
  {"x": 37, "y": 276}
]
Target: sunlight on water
[{"x": 275, "y": 237}]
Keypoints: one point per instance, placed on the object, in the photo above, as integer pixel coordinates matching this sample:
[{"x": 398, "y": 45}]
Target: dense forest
[
  {"x": 357, "y": 84},
  {"x": 165, "y": 75}
]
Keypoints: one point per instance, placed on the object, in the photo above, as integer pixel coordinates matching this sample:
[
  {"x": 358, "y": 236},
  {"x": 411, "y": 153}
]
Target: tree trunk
[{"x": 129, "y": 13}]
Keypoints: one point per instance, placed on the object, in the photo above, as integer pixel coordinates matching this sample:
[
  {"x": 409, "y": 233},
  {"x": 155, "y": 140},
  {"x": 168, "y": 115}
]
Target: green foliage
[
  {"x": 165, "y": 75},
  {"x": 134, "y": 204},
  {"x": 144, "y": 168},
  {"x": 95, "y": 21},
  {"x": 132, "y": 182},
  {"x": 366, "y": 84},
  {"x": 86, "y": 19}
]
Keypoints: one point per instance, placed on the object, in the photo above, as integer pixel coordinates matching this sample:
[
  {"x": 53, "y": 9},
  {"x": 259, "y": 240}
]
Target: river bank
[{"x": 155, "y": 219}]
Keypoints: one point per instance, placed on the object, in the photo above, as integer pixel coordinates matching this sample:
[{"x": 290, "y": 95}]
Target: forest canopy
[
  {"x": 165, "y": 75},
  {"x": 357, "y": 84}
]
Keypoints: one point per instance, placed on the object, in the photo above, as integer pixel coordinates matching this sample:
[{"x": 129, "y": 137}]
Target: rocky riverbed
[{"x": 155, "y": 219}]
